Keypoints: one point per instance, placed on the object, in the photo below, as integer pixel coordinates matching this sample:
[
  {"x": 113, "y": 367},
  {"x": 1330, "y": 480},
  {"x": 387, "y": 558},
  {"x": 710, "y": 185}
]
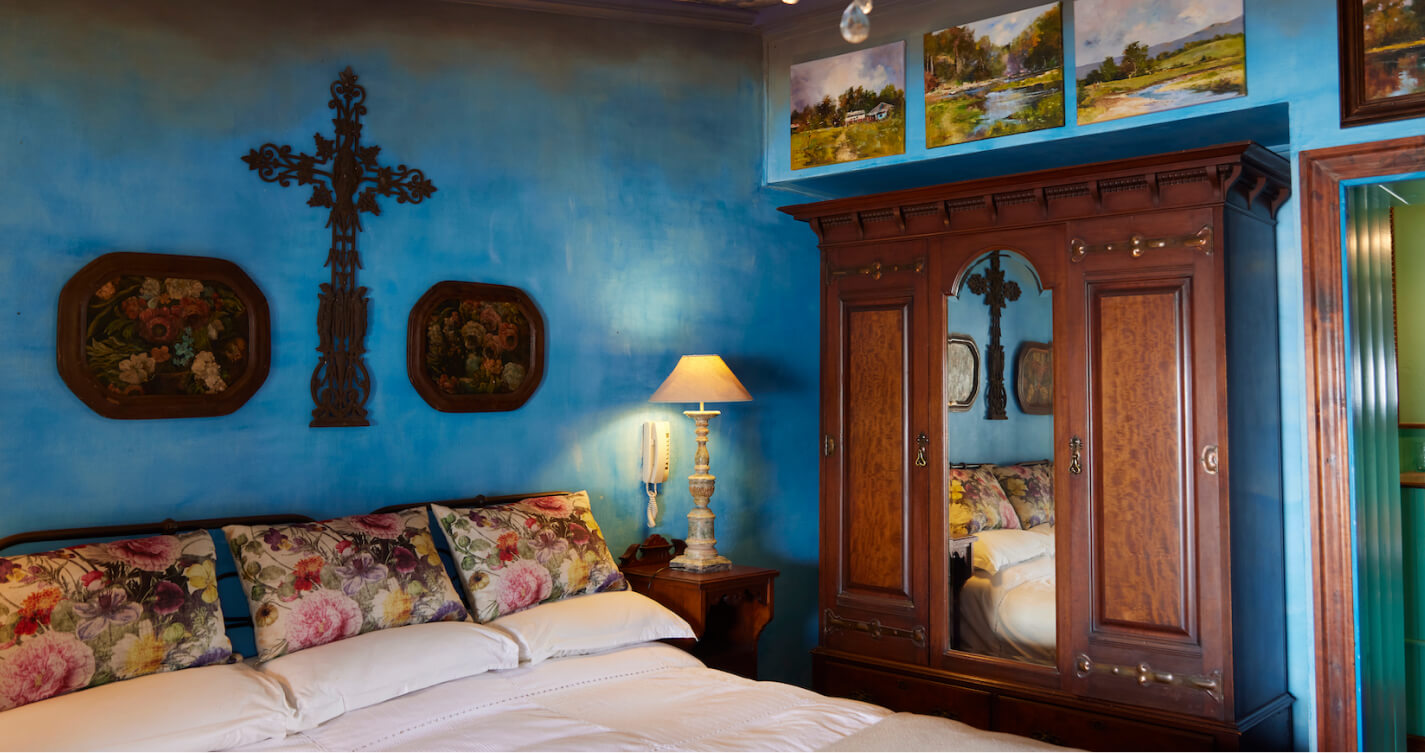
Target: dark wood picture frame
[
  {"x": 1026, "y": 382},
  {"x": 73, "y": 324},
  {"x": 417, "y": 347},
  {"x": 963, "y": 402},
  {"x": 1356, "y": 107}
]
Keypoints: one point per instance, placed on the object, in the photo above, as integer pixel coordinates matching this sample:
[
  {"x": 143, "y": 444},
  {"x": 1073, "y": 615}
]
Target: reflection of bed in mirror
[
  {"x": 1007, "y": 603},
  {"x": 1004, "y": 595}
]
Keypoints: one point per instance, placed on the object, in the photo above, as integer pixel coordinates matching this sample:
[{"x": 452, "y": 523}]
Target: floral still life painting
[
  {"x": 310, "y": 584},
  {"x": 848, "y": 107},
  {"x": 96, "y": 613},
  {"x": 475, "y": 347},
  {"x": 152, "y": 336},
  {"x": 995, "y": 77},
  {"x": 518, "y": 555},
  {"x": 1135, "y": 58}
]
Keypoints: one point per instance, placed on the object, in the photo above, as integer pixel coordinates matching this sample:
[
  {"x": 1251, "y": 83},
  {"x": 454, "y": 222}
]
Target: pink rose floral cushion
[
  {"x": 96, "y": 613},
  {"x": 1030, "y": 488},
  {"x": 519, "y": 555},
  {"x": 314, "y": 583},
  {"x": 977, "y": 503}
]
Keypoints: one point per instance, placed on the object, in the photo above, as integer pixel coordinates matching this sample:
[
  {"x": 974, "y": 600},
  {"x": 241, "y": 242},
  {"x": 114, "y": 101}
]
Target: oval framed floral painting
[
  {"x": 473, "y": 347},
  {"x": 162, "y": 336}
]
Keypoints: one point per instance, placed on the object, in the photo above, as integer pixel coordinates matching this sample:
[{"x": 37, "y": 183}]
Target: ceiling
[{"x": 744, "y": 15}]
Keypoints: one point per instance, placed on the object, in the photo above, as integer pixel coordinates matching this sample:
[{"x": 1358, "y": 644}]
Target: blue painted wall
[
  {"x": 1291, "y": 62},
  {"x": 610, "y": 169},
  {"x": 970, "y": 437}
]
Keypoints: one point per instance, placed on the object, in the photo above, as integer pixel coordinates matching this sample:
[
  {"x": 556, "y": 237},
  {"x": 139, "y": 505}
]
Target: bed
[
  {"x": 1007, "y": 605},
  {"x": 1006, "y": 598},
  {"x": 588, "y": 671}
]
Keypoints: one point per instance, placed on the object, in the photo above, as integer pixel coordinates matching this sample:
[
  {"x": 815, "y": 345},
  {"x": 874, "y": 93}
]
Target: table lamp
[{"x": 701, "y": 379}]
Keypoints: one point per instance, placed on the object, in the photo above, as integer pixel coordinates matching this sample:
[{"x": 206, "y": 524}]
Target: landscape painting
[
  {"x": 995, "y": 77},
  {"x": 1136, "y": 57},
  {"x": 849, "y": 107},
  {"x": 1394, "y": 41}
]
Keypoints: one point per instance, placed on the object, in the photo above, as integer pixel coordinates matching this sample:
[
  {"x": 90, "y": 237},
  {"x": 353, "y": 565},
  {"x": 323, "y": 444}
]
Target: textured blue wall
[
  {"x": 1291, "y": 60},
  {"x": 972, "y": 438},
  {"x": 610, "y": 169}
]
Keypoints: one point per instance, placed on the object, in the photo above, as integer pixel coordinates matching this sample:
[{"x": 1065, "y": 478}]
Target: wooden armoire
[{"x": 1167, "y": 475}]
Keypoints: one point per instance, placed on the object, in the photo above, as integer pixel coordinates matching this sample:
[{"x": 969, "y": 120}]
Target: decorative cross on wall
[
  {"x": 341, "y": 382},
  {"x": 998, "y": 293}
]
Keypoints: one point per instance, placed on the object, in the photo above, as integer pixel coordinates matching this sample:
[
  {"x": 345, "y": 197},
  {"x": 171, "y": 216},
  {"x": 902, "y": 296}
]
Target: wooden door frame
[{"x": 1329, "y": 421}]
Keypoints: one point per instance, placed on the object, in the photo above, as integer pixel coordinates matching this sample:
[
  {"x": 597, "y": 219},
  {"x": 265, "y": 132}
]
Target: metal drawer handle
[
  {"x": 922, "y": 442},
  {"x": 1076, "y": 449}
]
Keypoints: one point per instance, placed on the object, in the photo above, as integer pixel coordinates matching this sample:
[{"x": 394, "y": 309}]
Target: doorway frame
[{"x": 1329, "y": 420}]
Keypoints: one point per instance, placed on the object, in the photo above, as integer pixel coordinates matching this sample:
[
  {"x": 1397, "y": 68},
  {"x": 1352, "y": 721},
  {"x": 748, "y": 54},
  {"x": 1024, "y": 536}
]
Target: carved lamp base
[
  {"x": 701, "y": 555},
  {"x": 707, "y": 565}
]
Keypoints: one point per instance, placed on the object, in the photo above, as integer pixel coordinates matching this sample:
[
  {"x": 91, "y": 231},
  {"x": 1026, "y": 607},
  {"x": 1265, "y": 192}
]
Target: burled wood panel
[
  {"x": 1141, "y": 512},
  {"x": 876, "y": 382}
]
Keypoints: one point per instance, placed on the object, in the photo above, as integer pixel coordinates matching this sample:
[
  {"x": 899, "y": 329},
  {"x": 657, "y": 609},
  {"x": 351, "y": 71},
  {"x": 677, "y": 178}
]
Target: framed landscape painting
[
  {"x": 162, "y": 336},
  {"x": 1382, "y": 67},
  {"x": 1136, "y": 57},
  {"x": 995, "y": 77},
  {"x": 848, "y": 107},
  {"x": 473, "y": 347}
]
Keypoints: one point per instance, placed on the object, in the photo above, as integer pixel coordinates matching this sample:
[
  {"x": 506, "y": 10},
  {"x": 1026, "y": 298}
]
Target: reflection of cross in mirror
[
  {"x": 341, "y": 167},
  {"x": 998, "y": 293}
]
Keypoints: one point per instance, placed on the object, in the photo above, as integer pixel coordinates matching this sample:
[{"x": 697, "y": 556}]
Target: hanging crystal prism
[{"x": 855, "y": 26}]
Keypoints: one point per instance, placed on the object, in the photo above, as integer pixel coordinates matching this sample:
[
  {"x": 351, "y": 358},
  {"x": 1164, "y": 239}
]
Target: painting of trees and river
[
  {"x": 1135, "y": 58},
  {"x": 848, "y": 107},
  {"x": 1394, "y": 43},
  {"x": 995, "y": 77}
]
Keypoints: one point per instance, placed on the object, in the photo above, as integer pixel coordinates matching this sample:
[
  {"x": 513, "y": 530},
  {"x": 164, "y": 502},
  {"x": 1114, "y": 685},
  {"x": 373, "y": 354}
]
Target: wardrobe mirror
[{"x": 999, "y": 443}]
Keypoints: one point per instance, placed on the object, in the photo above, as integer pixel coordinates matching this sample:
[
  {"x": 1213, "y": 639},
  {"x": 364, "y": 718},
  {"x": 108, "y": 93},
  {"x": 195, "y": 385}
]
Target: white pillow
[
  {"x": 202, "y": 708},
  {"x": 327, "y": 681},
  {"x": 590, "y": 623},
  {"x": 1005, "y": 547}
]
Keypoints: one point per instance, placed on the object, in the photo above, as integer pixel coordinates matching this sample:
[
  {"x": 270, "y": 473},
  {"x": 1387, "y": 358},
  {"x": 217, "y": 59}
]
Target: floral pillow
[
  {"x": 533, "y": 551},
  {"x": 977, "y": 503},
  {"x": 1030, "y": 488},
  {"x": 313, "y": 583},
  {"x": 92, "y": 614}
]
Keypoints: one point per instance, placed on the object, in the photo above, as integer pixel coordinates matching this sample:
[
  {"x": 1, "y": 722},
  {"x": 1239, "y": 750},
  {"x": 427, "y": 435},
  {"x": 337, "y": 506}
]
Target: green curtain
[{"x": 1380, "y": 586}]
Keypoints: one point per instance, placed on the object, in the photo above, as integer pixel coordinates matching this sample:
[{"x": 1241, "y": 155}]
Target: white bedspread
[
  {"x": 1012, "y": 613},
  {"x": 644, "y": 697}
]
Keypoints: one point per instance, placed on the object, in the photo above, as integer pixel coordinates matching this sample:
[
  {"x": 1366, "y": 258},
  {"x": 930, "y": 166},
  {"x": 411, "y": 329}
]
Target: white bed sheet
[
  {"x": 1012, "y": 613},
  {"x": 644, "y": 697}
]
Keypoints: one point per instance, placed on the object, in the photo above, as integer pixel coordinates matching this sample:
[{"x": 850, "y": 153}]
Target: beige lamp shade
[{"x": 701, "y": 379}]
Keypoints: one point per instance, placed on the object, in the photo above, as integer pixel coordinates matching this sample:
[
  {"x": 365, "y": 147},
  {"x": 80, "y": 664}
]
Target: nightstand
[
  {"x": 961, "y": 565},
  {"x": 727, "y": 609}
]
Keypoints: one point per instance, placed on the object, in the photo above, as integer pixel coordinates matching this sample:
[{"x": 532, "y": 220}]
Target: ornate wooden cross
[
  {"x": 998, "y": 293},
  {"x": 341, "y": 383}
]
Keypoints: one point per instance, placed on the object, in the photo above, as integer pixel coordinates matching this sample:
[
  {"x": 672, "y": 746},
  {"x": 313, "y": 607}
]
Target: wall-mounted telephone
[{"x": 656, "y": 442}]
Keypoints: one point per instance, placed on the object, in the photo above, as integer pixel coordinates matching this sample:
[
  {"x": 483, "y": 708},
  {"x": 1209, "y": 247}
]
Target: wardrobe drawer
[
  {"x": 907, "y": 694},
  {"x": 1078, "y": 729}
]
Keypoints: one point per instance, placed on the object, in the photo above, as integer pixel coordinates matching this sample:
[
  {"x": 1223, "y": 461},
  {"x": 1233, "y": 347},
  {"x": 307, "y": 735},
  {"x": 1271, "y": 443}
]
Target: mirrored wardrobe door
[{"x": 999, "y": 459}]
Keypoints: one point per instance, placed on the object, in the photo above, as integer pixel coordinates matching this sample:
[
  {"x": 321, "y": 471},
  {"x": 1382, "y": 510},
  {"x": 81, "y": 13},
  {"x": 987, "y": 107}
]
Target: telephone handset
[{"x": 656, "y": 441}]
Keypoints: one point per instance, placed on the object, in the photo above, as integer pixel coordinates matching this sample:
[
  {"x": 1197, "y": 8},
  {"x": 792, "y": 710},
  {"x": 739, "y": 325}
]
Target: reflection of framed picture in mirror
[
  {"x": 962, "y": 372},
  {"x": 1034, "y": 379}
]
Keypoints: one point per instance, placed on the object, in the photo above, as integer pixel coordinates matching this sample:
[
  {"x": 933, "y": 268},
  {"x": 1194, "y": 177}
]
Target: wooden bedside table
[
  {"x": 961, "y": 567},
  {"x": 727, "y": 609}
]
